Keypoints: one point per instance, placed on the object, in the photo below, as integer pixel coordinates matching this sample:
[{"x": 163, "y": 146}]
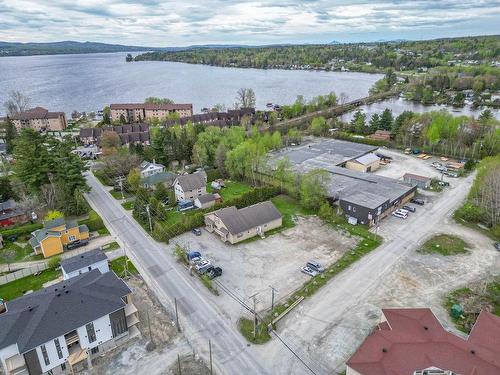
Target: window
[
  {"x": 63, "y": 366},
  {"x": 353, "y": 209},
  {"x": 94, "y": 350},
  {"x": 349, "y": 208},
  {"x": 45, "y": 355},
  {"x": 90, "y": 332},
  {"x": 58, "y": 348},
  {"x": 72, "y": 238}
]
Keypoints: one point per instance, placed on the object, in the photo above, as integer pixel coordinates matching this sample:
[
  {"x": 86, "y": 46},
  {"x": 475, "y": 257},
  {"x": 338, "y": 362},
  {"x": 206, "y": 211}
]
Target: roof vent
[
  {"x": 59, "y": 294},
  {"x": 30, "y": 308},
  {"x": 81, "y": 256},
  {"x": 67, "y": 291},
  {"x": 472, "y": 351},
  {"x": 426, "y": 328},
  {"x": 55, "y": 290},
  {"x": 384, "y": 350}
]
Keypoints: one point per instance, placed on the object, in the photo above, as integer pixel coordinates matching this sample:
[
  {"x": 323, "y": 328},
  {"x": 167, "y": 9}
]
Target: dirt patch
[{"x": 189, "y": 365}]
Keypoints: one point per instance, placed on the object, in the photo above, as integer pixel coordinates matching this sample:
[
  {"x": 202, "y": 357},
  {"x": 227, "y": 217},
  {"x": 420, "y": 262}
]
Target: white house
[
  {"x": 147, "y": 169},
  {"x": 190, "y": 186},
  {"x": 74, "y": 266},
  {"x": 58, "y": 329}
]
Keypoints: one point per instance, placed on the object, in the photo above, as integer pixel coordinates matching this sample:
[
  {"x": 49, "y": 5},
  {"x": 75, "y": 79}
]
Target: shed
[{"x": 414, "y": 179}]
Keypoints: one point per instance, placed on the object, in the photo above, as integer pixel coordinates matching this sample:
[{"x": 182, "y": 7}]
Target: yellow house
[{"x": 56, "y": 235}]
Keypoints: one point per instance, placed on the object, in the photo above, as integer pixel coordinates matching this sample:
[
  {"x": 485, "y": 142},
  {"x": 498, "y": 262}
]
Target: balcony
[
  {"x": 16, "y": 365},
  {"x": 71, "y": 338}
]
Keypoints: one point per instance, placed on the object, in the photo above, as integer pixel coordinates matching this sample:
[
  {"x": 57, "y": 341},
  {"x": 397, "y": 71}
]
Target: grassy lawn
[
  {"x": 103, "y": 231},
  {"x": 17, "y": 288},
  {"x": 233, "y": 189},
  {"x": 476, "y": 298},
  {"x": 118, "y": 194},
  {"x": 118, "y": 266},
  {"x": 289, "y": 208},
  {"x": 111, "y": 246},
  {"x": 129, "y": 206},
  {"x": 13, "y": 253},
  {"x": 445, "y": 244},
  {"x": 246, "y": 329}
]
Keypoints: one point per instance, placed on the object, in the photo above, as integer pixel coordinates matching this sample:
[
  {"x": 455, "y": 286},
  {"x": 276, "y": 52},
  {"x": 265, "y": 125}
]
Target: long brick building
[
  {"x": 138, "y": 112},
  {"x": 40, "y": 119}
]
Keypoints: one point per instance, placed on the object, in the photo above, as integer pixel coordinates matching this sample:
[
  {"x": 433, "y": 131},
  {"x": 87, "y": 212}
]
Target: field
[{"x": 118, "y": 266}]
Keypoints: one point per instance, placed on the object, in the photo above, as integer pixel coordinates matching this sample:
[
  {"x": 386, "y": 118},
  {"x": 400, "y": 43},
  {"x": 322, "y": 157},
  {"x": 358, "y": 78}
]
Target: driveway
[{"x": 321, "y": 328}]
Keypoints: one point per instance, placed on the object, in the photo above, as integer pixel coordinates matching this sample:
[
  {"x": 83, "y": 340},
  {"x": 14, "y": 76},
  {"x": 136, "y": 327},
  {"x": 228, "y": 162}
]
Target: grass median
[{"x": 445, "y": 244}]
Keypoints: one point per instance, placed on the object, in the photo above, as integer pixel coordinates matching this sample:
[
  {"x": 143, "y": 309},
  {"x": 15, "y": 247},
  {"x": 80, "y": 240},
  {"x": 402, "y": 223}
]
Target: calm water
[
  {"x": 398, "y": 105},
  {"x": 90, "y": 82}
]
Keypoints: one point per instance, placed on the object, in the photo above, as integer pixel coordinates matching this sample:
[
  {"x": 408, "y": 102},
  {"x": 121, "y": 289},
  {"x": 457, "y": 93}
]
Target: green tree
[
  {"x": 319, "y": 126},
  {"x": 6, "y": 190},
  {"x": 283, "y": 172},
  {"x": 314, "y": 188},
  {"x": 10, "y": 132},
  {"x": 122, "y": 120},
  {"x": 374, "y": 122},
  {"x": 386, "y": 120},
  {"x": 358, "y": 122},
  {"x": 155, "y": 100},
  {"x": 134, "y": 179},
  {"x": 106, "y": 116}
]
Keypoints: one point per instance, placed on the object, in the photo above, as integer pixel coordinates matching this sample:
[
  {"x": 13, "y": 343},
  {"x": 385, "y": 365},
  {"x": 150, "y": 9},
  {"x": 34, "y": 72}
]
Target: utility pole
[
  {"x": 210, "y": 351},
  {"x": 179, "y": 363},
  {"x": 149, "y": 218},
  {"x": 272, "y": 297},
  {"x": 254, "y": 315}
]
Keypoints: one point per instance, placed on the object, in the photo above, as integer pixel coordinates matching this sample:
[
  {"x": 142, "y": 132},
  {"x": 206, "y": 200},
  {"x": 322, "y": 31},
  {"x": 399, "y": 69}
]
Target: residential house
[
  {"x": 413, "y": 342},
  {"x": 235, "y": 225},
  {"x": 86, "y": 262},
  {"x": 147, "y": 169},
  {"x": 366, "y": 163},
  {"x": 129, "y": 134},
  {"x": 137, "y": 112},
  {"x": 207, "y": 200},
  {"x": 58, "y": 329},
  {"x": 165, "y": 178},
  {"x": 56, "y": 235},
  {"x": 221, "y": 119},
  {"x": 11, "y": 214},
  {"x": 414, "y": 179},
  {"x": 40, "y": 119},
  {"x": 190, "y": 186}
]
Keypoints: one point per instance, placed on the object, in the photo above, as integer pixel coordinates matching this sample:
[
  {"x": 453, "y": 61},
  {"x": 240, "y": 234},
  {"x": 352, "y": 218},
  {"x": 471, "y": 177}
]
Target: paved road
[
  {"x": 200, "y": 319},
  {"x": 339, "y": 299}
]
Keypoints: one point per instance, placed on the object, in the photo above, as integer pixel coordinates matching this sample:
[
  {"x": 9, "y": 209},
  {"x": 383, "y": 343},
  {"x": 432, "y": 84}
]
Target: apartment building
[
  {"x": 40, "y": 119},
  {"x": 58, "y": 330},
  {"x": 138, "y": 112}
]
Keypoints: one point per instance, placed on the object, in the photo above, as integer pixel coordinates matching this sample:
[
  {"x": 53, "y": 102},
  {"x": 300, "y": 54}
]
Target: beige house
[
  {"x": 40, "y": 119},
  {"x": 235, "y": 225},
  {"x": 190, "y": 186},
  {"x": 366, "y": 163},
  {"x": 138, "y": 112}
]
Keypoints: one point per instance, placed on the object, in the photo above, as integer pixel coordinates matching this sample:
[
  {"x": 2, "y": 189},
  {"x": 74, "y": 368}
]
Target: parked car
[
  {"x": 451, "y": 174},
  {"x": 202, "y": 265},
  {"x": 409, "y": 208},
  {"x": 497, "y": 245},
  {"x": 196, "y": 231},
  {"x": 441, "y": 168},
  {"x": 418, "y": 201},
  {"x": 309, "y": 271},
  {"x": 214, "y": 272},
  {"x": 399, "y": 214},
  {"x": 436, "y": 164},
  {"x": 443, "y": 183},
  {"x": 316, "y": 266},
  {"x": 192, "y": 255},
  {"x": 74, "y": 245},
  {"x": 403, "y": 211}
]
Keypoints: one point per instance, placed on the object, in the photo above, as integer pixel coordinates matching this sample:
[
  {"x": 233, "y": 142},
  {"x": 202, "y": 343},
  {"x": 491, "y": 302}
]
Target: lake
[
  {"x": 398, "y": 106},
  {"x": 90, "y": 82}
]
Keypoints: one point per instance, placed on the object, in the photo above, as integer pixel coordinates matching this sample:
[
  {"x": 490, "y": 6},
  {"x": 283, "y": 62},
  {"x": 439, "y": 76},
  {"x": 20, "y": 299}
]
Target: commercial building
[
  {"x": 364, "y": 197},
  {"x": 56, "y": 235},
  {"x": 235, "y": 225},
  {"x": 190, "y": 186},
  {"x": 421, "y": 181},
  {"x": 137, "y": 112},
  {"x": 40, "y": 119},
  {"x": 413, "y": 342},
  {"x": 86, "y": 262}
]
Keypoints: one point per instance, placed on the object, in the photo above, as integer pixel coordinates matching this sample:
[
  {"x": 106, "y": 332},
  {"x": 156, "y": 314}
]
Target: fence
[{"x": 22, "y": 273}]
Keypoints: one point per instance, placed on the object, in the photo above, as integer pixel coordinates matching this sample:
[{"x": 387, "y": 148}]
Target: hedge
[
  {"x": 368, "y": 141},
  {"x": 94, "y": 221},
  {"x": 21, "y": 230}
]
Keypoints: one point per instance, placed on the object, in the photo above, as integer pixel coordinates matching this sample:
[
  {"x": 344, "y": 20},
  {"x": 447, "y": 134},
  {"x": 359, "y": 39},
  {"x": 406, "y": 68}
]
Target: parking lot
[{"x": 254, "y": 267}]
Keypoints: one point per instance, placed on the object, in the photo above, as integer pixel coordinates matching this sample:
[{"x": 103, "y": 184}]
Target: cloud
[{"x": 176, "y": 22}]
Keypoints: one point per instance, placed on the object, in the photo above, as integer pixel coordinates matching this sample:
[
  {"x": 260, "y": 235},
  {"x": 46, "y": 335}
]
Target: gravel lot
[{"x": 253, "y": 267}]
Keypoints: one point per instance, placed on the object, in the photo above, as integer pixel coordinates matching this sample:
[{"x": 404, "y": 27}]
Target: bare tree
[
  {"x": 16, "y": 102},
  {"x": 245, "y": 98},
  {"x": 48, "y": 193},
  {"x": 489, "y": 194},
  {"x": 28, "y": 203}
]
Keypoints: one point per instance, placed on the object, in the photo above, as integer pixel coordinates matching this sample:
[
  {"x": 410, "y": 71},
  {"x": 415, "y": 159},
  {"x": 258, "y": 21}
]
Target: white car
[
  {"x": 401, "y": 215},
  {"x": 201, "y": 265},
  {"x": 309, "y": 271}
]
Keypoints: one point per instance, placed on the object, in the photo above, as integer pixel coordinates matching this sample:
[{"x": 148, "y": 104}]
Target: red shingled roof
[{"x": 414, "y": 339}]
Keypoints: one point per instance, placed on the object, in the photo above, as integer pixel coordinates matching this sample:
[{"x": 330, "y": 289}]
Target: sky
[{"x": 157, "y": 23}]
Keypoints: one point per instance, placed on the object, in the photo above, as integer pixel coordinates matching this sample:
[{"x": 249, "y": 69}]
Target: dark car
[
  {"x": 497, "y": 245},
  {"x": 214, "y": 272},
  {"x": 418, "y": 201},
  {"x": 196, "y": 231},
  {"x": 74, "y": 245},
  {"x": 409, "y": 208}
]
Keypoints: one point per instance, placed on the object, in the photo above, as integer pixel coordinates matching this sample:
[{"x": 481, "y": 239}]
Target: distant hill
[{"x": 69, "y": 47}]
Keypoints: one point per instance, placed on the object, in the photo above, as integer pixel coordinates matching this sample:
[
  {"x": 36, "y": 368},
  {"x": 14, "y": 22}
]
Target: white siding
[
  {"x": 52, "y": 353},
  {"x": 103, "y": 333},
  {"x": 8, "y": 352},
  {"x": 102, "y": 266}
]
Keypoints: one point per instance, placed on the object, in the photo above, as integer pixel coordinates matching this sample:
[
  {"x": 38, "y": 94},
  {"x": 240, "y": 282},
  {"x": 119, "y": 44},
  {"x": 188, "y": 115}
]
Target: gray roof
[
  {"x": 367, "y": 159},
  {"x": 159, "y": 178},
  {"x": 54, "y": 223},
  {"x": 83, "y": 260},
  {"x": 146, "y": 164},
  {"x": 206, "y": 198},
  {"x": 193, "y": 181},
  {"x": 41, "y": 316},
  {"x": 416, "y": 177},
  {"x": 237, "y": 221},
  {"x": 8, "y": 205},
  {"x": 365, "y": 199}
]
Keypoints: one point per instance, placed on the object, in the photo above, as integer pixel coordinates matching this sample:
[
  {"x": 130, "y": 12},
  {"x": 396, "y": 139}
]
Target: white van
[{"x": 401, "y": 215}]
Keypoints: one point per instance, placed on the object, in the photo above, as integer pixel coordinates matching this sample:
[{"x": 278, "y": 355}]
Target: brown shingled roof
[{"x": 150, "y": 106}]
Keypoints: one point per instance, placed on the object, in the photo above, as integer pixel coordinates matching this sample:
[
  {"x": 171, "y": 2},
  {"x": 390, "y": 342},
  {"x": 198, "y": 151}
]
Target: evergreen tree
[
  {"x": 374, "y": 122},
  {"x": 386, "y": 120}
]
